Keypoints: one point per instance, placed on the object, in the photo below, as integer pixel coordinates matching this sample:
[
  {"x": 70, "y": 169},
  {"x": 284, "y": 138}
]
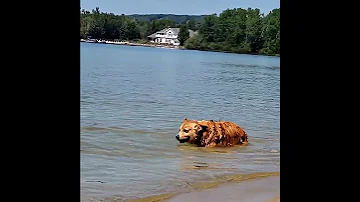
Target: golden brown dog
[{"x": 211, "y": 133}]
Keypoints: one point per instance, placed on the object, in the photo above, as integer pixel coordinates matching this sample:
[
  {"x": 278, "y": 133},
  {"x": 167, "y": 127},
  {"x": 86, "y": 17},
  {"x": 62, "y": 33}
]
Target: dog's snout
[{"x": 177, "y": 137}]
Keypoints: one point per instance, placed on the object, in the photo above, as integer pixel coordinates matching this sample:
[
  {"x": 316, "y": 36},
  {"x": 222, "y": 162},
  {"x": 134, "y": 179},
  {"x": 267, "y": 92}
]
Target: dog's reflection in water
[{"x": 195, "y": 158}]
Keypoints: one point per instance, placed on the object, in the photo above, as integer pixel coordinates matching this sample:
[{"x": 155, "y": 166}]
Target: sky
[{"x": 186, "y": 7}]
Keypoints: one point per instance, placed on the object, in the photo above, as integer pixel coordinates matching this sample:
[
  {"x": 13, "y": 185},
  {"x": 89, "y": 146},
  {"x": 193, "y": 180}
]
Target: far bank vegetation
[{"x": 234, "y": 30}]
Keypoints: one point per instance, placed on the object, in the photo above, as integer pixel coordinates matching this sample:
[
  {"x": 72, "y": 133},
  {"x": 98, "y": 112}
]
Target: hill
[{"x": 179, "y": 19}]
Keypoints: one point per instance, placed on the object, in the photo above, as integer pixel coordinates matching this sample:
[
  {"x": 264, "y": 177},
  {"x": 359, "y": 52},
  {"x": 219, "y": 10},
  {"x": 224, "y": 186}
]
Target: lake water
[{"x": 133, "y": 100}]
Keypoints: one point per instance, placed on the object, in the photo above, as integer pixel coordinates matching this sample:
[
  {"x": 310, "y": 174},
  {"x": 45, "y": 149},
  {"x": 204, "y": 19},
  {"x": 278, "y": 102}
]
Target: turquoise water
[{"x": 133, "y": 100}]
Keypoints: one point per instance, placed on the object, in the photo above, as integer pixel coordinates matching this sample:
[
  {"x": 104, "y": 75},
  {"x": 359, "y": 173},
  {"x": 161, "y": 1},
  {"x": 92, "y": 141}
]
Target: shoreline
[
  {"x": 256, "y": 187},
  {"x": 255, "y": 190},
  {"x": 154, "y": 45}
]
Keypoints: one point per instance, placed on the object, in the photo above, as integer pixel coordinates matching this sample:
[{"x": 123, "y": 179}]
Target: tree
[
  {"x": 97, "y": 30},
  {"x": 271, "y": 32},
  {"x": 132, "y": 30},
  {"x": 191, "y": 24},
  {"x": 208, "y": 28},
  {"x": 183, "y": 34},
  {"x": 87, "y": 24},
  {"x": 253, "y": 30}
]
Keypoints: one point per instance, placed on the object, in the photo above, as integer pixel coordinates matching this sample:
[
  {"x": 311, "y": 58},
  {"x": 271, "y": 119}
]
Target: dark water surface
[{"x": 133, "y": 99}]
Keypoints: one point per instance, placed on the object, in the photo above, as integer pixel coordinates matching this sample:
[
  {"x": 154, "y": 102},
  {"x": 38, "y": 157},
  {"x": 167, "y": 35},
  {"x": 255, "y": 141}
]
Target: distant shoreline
[
  {"x": 154, "y": 45},
  {"x": 130, "y": 44}
]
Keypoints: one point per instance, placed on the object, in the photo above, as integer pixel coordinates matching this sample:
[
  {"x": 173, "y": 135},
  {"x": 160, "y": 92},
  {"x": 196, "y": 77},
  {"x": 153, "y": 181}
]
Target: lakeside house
[{"x": 168, "y": 36}]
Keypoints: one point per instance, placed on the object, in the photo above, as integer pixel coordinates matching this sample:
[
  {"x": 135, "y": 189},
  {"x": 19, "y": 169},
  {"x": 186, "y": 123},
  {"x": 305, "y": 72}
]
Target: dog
[{"x": 211, "y": 133}]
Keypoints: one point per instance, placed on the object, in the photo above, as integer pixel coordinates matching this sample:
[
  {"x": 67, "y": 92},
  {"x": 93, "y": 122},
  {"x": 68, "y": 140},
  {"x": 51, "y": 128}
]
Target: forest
[{"x": 237, "y": 30}]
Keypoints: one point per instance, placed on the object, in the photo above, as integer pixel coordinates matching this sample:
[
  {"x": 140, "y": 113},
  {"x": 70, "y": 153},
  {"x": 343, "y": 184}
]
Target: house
[{"x": 168, "y": 36}]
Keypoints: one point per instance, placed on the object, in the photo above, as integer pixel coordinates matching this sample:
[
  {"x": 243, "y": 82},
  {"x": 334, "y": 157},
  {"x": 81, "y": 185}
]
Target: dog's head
[{"x": 190, "y": 131}]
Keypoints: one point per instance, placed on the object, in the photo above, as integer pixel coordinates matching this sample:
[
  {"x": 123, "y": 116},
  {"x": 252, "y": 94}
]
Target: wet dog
[{"x": 211, "y": 133}]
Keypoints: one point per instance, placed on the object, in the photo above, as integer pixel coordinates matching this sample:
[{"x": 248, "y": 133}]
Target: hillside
[{"x": 179, "y": 19}]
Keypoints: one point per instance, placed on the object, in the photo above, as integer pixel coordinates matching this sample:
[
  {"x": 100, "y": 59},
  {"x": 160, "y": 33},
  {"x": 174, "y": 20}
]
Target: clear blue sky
[{"x": 188, "y": 7}]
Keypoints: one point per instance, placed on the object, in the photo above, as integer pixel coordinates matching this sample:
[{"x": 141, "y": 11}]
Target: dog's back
[{"x": 222, "y": 133}]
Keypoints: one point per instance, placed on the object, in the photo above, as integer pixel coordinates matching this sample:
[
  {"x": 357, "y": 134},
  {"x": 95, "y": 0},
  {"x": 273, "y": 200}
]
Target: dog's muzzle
[{"x": 182, "y": 140}]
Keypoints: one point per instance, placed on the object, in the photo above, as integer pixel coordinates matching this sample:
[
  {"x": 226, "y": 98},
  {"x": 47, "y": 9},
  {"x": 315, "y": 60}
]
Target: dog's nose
[{"x": 177, "y": 137}]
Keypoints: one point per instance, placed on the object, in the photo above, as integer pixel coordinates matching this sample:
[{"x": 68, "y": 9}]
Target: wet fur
[{"x": 215, "y": 133}]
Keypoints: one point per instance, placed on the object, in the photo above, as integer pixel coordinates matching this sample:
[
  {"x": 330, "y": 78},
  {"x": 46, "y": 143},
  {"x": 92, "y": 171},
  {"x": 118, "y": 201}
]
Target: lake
[{"x": 133, "y": 100}]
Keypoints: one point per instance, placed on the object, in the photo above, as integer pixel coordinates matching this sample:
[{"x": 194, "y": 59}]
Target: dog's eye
[{"x": 186, "y": 131}]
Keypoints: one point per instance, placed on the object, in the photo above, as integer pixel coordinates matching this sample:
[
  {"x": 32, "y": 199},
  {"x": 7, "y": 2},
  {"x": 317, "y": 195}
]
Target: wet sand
[{"x": 256, "y": 190}]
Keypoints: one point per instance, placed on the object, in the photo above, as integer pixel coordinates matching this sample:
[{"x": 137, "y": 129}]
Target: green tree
[
  {"x": 208, "y": 28},
  {"x": 183, "y": 34},
  {"x": 191, "y": 24},
  {"x": 132, "y": 30},
  {"x": 271, "y": 33},
  {"x": 97, "y": 30},
  {"x": 253, "y": 30},
  {"x": 86, "y": 25}
]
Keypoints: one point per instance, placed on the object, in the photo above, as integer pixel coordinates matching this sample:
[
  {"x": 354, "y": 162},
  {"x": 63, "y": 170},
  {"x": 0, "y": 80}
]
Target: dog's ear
[
  {"x": 185, "y": 119},
  {"x": 203, "y": 127},
  {"x": 200, "y": 127},
  {"x": 203, "y": 123}
]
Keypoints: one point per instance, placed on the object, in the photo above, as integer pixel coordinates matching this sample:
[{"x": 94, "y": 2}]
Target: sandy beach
[{"x": 257, "y": 190}]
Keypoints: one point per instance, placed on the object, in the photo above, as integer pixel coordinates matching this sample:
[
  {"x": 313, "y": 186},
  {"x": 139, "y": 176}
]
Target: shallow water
[
  {"x": 133, "y": 100},
  {"x": 251, "y": 190}
]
